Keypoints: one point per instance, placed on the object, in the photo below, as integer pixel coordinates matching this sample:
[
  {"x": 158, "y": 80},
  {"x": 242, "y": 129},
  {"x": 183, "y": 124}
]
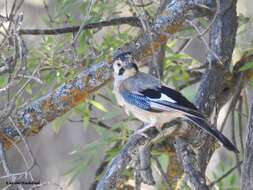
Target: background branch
[
  {"x": 133, "y": 21},
  {"x": 247, "y": 167},
  {"x": 187, "y": 159},
  {"x": 210, "y": 93}
]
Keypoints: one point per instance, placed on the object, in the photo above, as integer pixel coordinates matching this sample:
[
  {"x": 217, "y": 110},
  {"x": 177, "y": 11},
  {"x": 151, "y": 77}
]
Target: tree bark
[{"x": 210, "y": 94}]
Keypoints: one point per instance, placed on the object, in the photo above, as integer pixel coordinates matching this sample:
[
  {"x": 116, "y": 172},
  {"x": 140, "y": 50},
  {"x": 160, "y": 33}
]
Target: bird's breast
[
  {"x": 116, "y": 92},
  {"x": 157, "y": 119}
]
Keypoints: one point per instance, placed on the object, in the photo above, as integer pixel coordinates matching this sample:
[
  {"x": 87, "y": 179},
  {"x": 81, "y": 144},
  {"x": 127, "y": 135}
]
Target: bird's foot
[
  {"x": 142, "y": 130},
  {"x": 141, "y": 133}
]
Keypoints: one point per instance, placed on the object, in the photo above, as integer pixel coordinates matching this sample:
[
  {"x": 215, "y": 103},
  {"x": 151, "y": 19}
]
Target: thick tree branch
[
  {"x": 247, "y": 168},
  {"x": 221, "y": 41},
  {"x": 30, "y": 119},
  {"x": 129, "y": 152},
  {"x": 118, "y": 164},
  {"x": 195, "y": 177},
  {"x": 221, "y": 45}
]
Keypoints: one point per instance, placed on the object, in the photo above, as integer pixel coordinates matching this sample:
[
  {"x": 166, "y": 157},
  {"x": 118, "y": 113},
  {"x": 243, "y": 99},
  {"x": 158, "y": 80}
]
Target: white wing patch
[
  {"x": 164, "y": 97},
  {"x": 160, "y": 107}
]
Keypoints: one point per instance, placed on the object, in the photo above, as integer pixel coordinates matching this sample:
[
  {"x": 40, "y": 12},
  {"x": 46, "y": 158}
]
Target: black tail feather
[{"x": 203, "y": 124}]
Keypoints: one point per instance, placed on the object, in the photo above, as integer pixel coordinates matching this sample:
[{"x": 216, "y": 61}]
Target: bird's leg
[
  {"x": 143, "y": 129},
  {"x": 159, "y": 129}
]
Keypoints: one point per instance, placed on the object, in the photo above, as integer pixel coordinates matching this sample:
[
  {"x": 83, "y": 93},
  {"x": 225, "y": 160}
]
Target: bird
[{"x": 153, "y": 102}]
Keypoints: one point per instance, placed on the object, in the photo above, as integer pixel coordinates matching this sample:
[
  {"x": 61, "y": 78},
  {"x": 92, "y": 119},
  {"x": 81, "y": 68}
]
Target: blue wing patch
[
  {"x": 138, "y": 100},
  {"x": 173, "y": 94}
]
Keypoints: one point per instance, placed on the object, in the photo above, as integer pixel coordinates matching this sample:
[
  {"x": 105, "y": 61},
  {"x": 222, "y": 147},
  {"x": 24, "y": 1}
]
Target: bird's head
[{"x": 124, "y": 66}]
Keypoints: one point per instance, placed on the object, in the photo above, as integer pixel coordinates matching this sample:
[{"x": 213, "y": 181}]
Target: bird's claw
[{"x": 141, "y": 133}]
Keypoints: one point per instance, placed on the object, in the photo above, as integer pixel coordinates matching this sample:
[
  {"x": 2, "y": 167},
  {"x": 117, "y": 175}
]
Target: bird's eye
[
  {"x": 121, "y": 71},
  {"x": 118, "y": 64}
]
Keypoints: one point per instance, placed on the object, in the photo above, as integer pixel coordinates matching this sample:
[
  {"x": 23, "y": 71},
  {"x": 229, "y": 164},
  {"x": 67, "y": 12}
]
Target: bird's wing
[
  {"x": 163, "y": 98},
  {"x": 138, "y": 100}
]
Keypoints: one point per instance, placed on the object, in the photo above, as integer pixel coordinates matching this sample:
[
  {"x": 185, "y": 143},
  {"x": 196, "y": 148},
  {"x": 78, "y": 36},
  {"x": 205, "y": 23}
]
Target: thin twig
[
  {"x": 204, "y": 41},
  {"x": 47, "y": 11},
  {"x": 87, "y": 16},
  {"x": 28, "y": 147},
  {"x": 240, "y": 124},
  {"x": 153, "y": 65},
  {"x": 133, "y": 21},
  {"x": 21, "y": 154},
  {"x": 18, "y": 6},
  {"x": 225, "y": 174},
  {"x": 36, "y": 79},
  {"x": 94, "y": 121},
  {"x": 26, "y": 83},
  {"x": 162, "y": 173},
  {"x": 142, "y": 5},
  {"x": 236, "y": 95},
  {"x": 3, "y": 160},
  {"x": 184, "y": 45},
  {"x": 234, "y": 139},
  {"x": 214, "y": 17}
]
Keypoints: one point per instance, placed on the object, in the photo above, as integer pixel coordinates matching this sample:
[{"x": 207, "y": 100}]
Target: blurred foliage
[
  {"x": 230, "y": 182},
  {"x": 176, "y": 65},
  {"x": 244, "y": 42}
]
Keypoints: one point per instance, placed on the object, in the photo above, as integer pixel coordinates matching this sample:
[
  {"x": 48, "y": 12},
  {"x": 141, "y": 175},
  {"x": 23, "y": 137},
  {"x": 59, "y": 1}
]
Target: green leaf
[
  {"x": 57, "y": 123},
  {"x": 110, "y": 115},
  {"x": 28, "y": 89},
  {"x": 79, "y": 108},
  {"x": 3, "y": 81},
  {"x": 112, "y": 153},
  {"x": 232, "y": 180},
  {"x": 251, "y": 83},
  {"x": 78, "y": 168},
  {"x": 86, "y": 118},
  {"x": 164, "y": 161},
  {"x": 215, "y": 175},
  {"x": 247, "y": 66},
  {"x": 171, "y": 43},
  {"x": 189, "y": 92},
  {"x": 98, "y": 105},
  {"x": 177, "y": 56},
  {"x": 83, "y": 158}
]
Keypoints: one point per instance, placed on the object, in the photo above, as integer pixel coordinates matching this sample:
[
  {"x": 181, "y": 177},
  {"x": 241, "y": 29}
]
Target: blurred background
[{"x": 69, "y": 150}]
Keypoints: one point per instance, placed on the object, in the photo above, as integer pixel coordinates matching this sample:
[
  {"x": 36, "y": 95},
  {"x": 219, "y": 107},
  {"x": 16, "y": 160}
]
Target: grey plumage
[{"x": 140, "y": 81}]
